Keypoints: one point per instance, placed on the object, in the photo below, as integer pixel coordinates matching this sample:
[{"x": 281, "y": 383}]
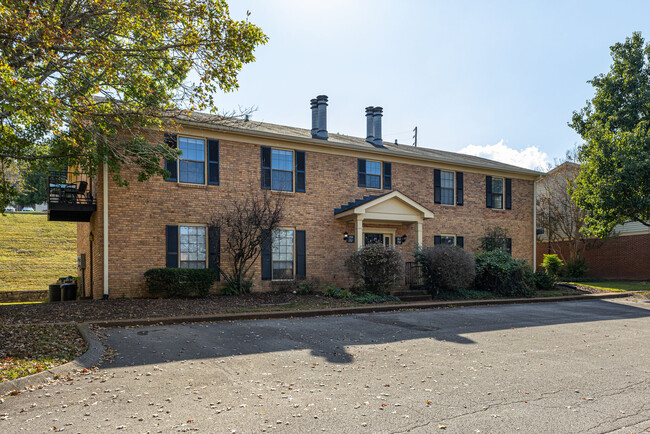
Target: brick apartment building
[{"x": 340, "y": 193}]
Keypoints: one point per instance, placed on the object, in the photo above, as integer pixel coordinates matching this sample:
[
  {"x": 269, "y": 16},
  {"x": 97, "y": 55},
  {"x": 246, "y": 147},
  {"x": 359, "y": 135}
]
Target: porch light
[
  {"x": 404, "y": 237},
  {"x": 345, "y": 236}
]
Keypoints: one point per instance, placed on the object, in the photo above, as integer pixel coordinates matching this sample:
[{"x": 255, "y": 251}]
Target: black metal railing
[
  {"x": 413, "y": 275},
  {"x": 70, "y": 188}
]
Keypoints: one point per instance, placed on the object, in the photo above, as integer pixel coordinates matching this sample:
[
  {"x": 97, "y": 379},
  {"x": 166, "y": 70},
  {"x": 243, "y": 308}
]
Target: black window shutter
[
  {"x": 362, "y": 172},
  {"x": 508, "y": 193},
  {"x": 460, "y": 241},
  {"x": 172, "y": 246},
  {"x": 509, "y": 245},
  {"x": 388, "y": 176},
  {"x": 437, "y": 240},
  {"x": 436, "y": 186},
  {"x": 266, "y": 255},
  {"x": 266, "y": 168},
  {"x": 171, "y": 165},
  {"x": 301, "y": 257},
  {"x": 214, "y": 247},
  {"x": 488, "y": 192},
  {"x": 213, "y": 162},
  {"x": 459, "y": 189},
  {"x": 300, "y": 171}
]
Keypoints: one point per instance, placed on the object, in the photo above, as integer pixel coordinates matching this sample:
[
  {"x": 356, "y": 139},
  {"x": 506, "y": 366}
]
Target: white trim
[{"x": 105, "y": 205}]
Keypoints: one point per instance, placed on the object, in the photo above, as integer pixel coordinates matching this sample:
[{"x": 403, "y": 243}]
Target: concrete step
[
  {"x": 400, "y": 293},
  {"x": 415, "y": 297}
]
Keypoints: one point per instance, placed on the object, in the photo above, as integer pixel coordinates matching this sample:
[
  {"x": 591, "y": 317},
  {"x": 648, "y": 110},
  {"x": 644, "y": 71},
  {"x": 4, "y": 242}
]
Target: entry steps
[{"x": 412, "y": 295}]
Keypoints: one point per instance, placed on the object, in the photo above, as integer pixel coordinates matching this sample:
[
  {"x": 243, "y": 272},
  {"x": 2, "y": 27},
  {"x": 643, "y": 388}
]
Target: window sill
[{"x": 187, "y": 185}]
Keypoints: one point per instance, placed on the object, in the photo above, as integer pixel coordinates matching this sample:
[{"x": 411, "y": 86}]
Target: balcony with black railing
[{"x": 70, "y": 197}]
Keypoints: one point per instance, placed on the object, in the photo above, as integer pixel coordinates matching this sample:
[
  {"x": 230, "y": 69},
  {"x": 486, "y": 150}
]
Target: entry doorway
[{"x": 378, "y": 238}]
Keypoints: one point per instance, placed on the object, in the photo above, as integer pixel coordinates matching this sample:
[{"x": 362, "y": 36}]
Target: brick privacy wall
[
  {"x": 624, "y": 257},
  {"x": 94, "y": 289},
  {"x": 139, "y": 213}
]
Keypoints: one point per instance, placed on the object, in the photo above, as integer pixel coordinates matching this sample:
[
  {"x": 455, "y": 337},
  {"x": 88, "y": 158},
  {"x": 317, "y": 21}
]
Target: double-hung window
[
  {"x": 373, "y": 174},
  {"x": 497, "y": 193},
  {"x": 282, "y": 254},
  {"x": 192, "y": 242},
  {"x": 370, "y": 174},
  {"x": 449, "y": 240},
  {"x": 281, "y": 170},
  {"x": 446, "y": 188},
  {"x": 191, "y": 163}
]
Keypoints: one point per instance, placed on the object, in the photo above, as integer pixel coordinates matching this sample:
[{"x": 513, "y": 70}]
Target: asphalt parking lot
[{"x": 548, "y": 367}]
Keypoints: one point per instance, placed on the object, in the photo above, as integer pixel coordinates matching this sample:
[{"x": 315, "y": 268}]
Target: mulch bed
[
  {"x": 98, "y": 310},
  {"x": 581, "y": 289}
]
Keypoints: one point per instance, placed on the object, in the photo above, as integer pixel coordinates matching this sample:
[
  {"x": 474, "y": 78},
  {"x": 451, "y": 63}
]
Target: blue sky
[{"x": 499, "y": 79}]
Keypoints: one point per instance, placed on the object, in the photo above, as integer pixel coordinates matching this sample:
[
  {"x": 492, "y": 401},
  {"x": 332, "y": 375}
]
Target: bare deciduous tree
[{"x": 246, "y": 223}]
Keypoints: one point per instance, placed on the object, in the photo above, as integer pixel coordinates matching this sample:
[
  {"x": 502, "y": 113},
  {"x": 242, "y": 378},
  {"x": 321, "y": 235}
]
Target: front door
[
  {"x": 373, "y": 239},
  {"x": 384, "y": 239}
]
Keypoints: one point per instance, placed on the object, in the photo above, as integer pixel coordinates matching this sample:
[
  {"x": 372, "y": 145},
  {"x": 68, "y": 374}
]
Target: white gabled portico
[{"x": 390, "y": 208}]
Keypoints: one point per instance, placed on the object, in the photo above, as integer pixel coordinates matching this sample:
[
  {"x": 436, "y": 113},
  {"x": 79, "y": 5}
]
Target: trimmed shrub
[
  {"x": 180, "y": 282},
  {"x": 375, "y": 268},
  {"x": 552, "y": 264},
  {"x": 499, "y": 273},
  {"x": 446, "y": 268},
  {"x": 576, "y": 268},
  {"x": 544, "y": 281}
]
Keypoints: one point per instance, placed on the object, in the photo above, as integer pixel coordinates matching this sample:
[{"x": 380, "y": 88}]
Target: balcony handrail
[{"x": 72, "y": 188}]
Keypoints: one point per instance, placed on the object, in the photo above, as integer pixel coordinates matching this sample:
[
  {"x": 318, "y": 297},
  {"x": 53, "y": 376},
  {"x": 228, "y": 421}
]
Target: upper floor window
[
  {"x": 199, "y": 158},
  {"x": 446, "y": 188},
  {"x": 497, "y": 193},
  {"x": 370, "y": 174},
  {"x": 281, "y": 170},
  {"x": 191, "y": 163},
  {"x": 280, "y": 167}
]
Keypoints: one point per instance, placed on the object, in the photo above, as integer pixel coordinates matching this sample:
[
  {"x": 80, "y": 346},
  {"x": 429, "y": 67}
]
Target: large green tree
[
  {"x": 83, "y": 82},
  {"x": 614, "y": 182}
]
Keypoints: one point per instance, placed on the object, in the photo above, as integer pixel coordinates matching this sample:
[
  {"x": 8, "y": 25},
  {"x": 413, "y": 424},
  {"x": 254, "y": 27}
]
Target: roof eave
[{"x": 332, "y": 144}]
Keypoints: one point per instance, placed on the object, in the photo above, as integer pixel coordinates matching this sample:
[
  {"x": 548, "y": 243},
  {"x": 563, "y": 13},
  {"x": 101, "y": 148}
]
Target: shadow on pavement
[{"x": 328, "y": 337}]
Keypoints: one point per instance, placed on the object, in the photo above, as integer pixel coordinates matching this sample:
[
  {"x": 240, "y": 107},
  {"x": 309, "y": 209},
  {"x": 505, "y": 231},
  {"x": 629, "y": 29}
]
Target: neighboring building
[
  {"x": 333, "y": 184},
  {"x": 625, "y": 255}
]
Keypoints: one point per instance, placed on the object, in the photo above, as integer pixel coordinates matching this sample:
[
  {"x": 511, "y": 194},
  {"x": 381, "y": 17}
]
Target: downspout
[
  {"x": 105, "y": 209},
  {"x": 535, "y": 223}
]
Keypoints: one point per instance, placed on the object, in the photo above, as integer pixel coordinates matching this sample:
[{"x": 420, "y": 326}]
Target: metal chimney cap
[
  {"x": 322, "y": 98},
  {"x": 378, "y": 110},
  {"x": 370, "y": 109}
]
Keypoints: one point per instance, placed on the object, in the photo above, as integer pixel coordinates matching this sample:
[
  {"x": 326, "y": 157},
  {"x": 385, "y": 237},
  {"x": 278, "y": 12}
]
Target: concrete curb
[
  {"x": 90, "y": 358},
  {"x": 96, "y": 350},
  {"x": 348, "y": 310}
]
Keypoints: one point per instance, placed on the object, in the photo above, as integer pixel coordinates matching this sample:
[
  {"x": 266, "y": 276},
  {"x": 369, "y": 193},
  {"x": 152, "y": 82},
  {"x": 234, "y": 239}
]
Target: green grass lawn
[
  {"x": 617, "y": 286},
  {"x": 35, "y": 252}
]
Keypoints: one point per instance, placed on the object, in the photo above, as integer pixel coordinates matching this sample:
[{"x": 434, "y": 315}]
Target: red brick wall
[
  {"x": 624, "y": 257},
  {"x": 139, "y": 213}
]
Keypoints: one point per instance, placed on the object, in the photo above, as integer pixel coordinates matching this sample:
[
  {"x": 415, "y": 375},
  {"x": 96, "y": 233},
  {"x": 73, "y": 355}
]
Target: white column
[
  {"x": 418, "y": 233},
  {"x": 359, "y": 232}
]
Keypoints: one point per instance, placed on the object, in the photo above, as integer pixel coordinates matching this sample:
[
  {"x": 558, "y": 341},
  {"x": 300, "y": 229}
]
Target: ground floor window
[
  {"x": 282, "y": 254},
  {"x": 447, "y": 240},
  {"x": 192, "y": 246}
]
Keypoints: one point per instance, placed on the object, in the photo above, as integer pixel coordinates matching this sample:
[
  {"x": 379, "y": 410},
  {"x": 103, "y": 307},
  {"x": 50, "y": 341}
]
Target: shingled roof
[{"x": 215, "y": 122}]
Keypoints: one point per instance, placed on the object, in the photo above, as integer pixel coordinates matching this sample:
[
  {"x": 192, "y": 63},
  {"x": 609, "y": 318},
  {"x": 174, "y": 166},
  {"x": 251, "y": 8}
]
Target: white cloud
[{"x": 530, "y": 157}]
